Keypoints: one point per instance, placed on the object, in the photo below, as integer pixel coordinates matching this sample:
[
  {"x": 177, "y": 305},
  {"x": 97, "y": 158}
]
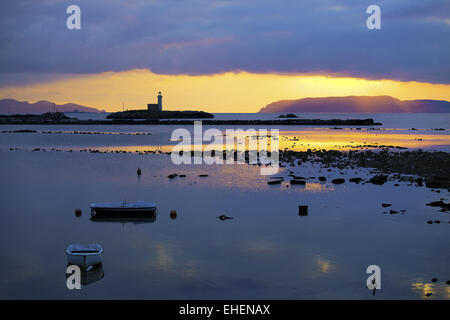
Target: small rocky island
[{"x": 155, "y": 111}]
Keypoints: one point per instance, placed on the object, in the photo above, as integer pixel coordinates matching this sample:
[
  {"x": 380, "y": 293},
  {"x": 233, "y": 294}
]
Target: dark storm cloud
[{"x": 206, "y": 36}]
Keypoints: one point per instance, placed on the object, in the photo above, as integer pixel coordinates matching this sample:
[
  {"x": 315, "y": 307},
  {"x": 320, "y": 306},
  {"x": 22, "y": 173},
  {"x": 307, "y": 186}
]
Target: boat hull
[
  {"x": 84, "y": 260},
  {"x": 137, "y": 209}
]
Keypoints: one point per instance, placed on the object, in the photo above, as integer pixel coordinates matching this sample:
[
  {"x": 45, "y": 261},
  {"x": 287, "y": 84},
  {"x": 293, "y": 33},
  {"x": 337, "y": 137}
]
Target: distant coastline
[
  {"x": 12, "y": 106},
  {"x": 357, "y": 104}
]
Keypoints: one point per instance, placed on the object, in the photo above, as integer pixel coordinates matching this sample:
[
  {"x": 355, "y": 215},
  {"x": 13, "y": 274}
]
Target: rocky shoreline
[{"x": 432, "y": 168}]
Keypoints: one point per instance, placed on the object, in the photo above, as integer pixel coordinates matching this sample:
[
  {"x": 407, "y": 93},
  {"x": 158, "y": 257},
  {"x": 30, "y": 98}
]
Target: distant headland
[
  {"x": 12, "y": 106},
  {"x": 357, "y": 104}
]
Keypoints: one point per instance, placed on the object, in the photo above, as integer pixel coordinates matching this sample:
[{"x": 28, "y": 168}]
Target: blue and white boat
[{"x": 84, "y": 255}]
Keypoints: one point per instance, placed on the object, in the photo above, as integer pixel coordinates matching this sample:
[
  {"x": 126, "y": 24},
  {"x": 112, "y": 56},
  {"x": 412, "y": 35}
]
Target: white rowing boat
[
  {"x": 127, "y": 208},
  {"x": 84, "y": 255}
]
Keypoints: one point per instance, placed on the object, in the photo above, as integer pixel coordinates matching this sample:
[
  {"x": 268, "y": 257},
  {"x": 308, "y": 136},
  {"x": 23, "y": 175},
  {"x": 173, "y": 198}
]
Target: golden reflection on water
[
  {"x": 325, "y": 266},
  {"x": 317, "y": 187},
  {"x": 348, "y": 140},
  {"x": 440, "y": 290},
  {"x": 322, "y": 267},
  {"x": 314, "y": 139}
]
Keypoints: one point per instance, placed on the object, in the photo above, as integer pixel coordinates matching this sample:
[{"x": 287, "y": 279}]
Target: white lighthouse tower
[{"x": 160, "y": 101}]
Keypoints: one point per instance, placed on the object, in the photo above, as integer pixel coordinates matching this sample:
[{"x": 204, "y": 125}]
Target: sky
[{"x": 222, "y": 56}]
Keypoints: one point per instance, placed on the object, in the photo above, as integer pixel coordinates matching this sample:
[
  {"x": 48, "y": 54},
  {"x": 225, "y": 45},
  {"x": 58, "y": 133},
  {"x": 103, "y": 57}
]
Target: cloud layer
[{"x": 208, "y": 37}]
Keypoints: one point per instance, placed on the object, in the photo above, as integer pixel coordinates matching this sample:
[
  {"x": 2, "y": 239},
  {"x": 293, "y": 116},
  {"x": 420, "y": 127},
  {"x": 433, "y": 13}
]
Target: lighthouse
[
  {"x": 160, "y": 101},
  {"x": 155, "y": 108}
]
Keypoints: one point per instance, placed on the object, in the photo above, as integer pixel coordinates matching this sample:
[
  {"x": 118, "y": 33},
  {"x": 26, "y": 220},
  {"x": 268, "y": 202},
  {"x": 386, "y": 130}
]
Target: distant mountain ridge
[
  {"x": 357, "y": 104},
  {"x": 11, "y": 106}
]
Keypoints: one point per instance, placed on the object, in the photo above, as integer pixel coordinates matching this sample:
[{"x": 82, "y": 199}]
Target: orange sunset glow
[{"x": 227, "y": 92}]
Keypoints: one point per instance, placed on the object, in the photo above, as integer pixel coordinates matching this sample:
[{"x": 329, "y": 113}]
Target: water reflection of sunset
[
  {"x": 437, "y": 289},
  {"x": 317, "y": 139}
]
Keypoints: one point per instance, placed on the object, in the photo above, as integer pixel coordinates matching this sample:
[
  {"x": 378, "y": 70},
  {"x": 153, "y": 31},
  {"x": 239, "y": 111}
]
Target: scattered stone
[
  {"x": 444, "y": 206},
  {"x": 202, "y": 175},
  {"x": 171, "y": 176},
  {"x": 302, "y": 210},
  {"x": 338, "y": 181},
  {"x": 430, "y": 222},
  {"x": 139, "y": 171},
  {"x": 299, "y": 182},
  {"x": 419, "y": 182},
  {"x": 385, "y": 205},
  {"x": 437, "y": 221},
  {"x": 274, "y": 182},
  {"x": 182, "y": 176},
  {"x": 78, "y": 213},
  {"x": 355, "y": 180},
  {"x": 173, "y": 214},
  {"x": 322, "y": 179},
  {"x": 224, "y": 217},
  {"x": 393, "y": 212},
  {"x": 379, "y": 179},
  {"x": 434, "y": 280}
]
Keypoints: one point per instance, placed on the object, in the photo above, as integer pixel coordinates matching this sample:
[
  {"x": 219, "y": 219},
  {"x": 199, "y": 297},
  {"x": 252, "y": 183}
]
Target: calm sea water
[{"x": 266, "y": 251}]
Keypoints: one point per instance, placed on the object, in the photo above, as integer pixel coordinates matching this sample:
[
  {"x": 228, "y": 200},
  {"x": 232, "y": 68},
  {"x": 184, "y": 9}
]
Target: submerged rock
[
  {"x": 379, "y": 179},
  {"x": 303, "y": 210},
  {"x": 224, "y": 217},
  {"x": 338, "y": 180},
  {"x": 444, "y": 206}
]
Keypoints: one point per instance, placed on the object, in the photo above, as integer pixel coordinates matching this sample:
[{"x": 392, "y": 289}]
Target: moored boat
[
  {"x": 123, "y": 208},
  {"x": 84, "y": 255}
]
